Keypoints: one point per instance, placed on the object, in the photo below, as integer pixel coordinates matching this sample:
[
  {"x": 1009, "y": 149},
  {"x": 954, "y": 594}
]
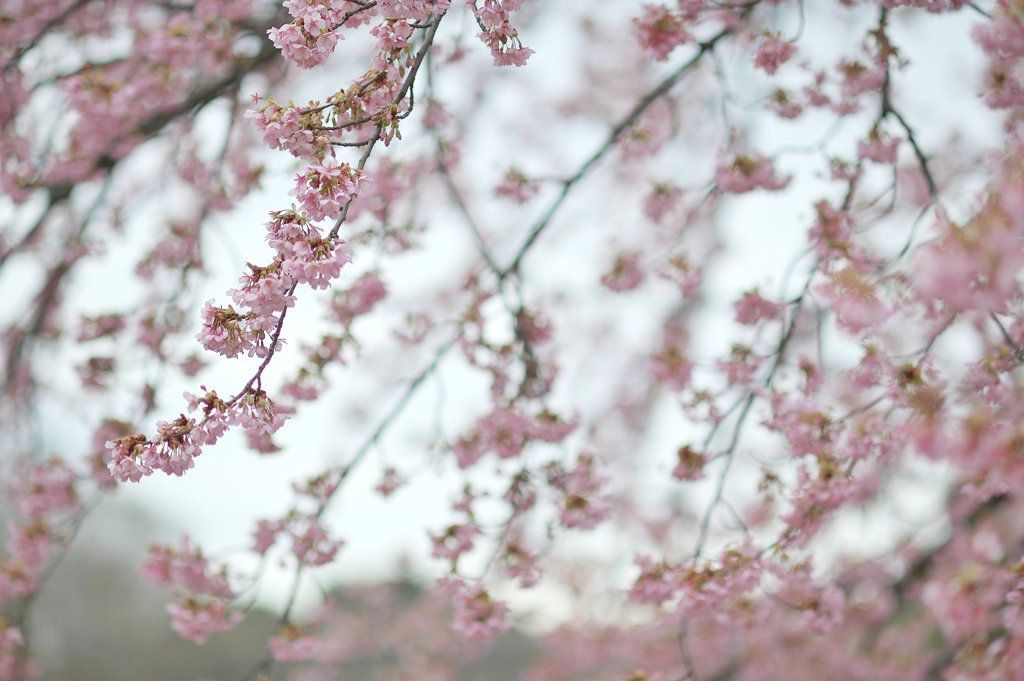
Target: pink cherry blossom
[
  {"x": 626, "y": 273},
  {"x": 390, "y": 482},
  {"x": 198, "y": 620},
  {"x": 670, "y": 365},
  {"x": 746, "y": 173},
  {"x": 284, "y": 128},
  {"x": 656, "y": 583},
  {"x": 294, "y": 648},
  {"x": 584, "y": 505},
  {"x": 690, "y": 464},
  {"x": 303, "y": 48},
  {"x": 257, "y": 412},
  {"x": 752, "y": 308},
  {"x": 858, "y": 78},
  {"x": 324, "y": 189},
  {"x": 312, "y": 545},
  {"x": 479, "y": 617},
  {"x": 46, "y": 488},
  {"x": 517, "y": 186},
  {"x": 879, "y": 147},
  {"x": 785, "y": 105},
  {"x": 772, "y": 51},
  {"x": 392, "y": 35},
  {"x": 266, "y": 534},
  {"x": 360, "y": 299},
  {"x": 741, "y": 365},
  {"x": 455, "y": 541},
  {"x": 185, "y": 568},
  {"x": 661, "y": 201},
  {"x": 660, "y": 30},
  {"x": 30, "y": 545}
]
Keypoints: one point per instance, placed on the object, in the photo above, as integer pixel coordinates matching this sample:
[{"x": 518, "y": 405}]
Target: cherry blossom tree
[{"x": 713, "y": 310}]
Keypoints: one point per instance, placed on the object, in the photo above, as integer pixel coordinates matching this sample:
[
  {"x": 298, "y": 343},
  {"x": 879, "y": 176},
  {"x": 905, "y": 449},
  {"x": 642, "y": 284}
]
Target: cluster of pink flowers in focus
[
  {"x": 312, "y": 37},
  {"x": 416, "y": 10},
  {"x": 179, "y": 442},
  {"x": 498, "y": 33},
  {"x": 392, "y": 35},
  {"x": 284, "y": 128},
  {"x": 301, "y": 47},
  {"x": 324, "y": 189}
]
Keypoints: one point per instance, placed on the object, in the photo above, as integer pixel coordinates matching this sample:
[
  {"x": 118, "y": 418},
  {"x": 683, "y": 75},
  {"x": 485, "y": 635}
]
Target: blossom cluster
[
  {"x": 44, "y": 495},
  {"x": 177, "y": 443},
  {"x": 506, "y": 432},
  {"x": 497, "y": 32},
  {"x": 204, "y": 595}
]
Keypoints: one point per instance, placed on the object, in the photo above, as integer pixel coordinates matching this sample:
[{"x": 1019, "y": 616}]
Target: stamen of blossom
[
  {"x": 126, "y": 464},
  {"x": 257, "y": 412}
]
